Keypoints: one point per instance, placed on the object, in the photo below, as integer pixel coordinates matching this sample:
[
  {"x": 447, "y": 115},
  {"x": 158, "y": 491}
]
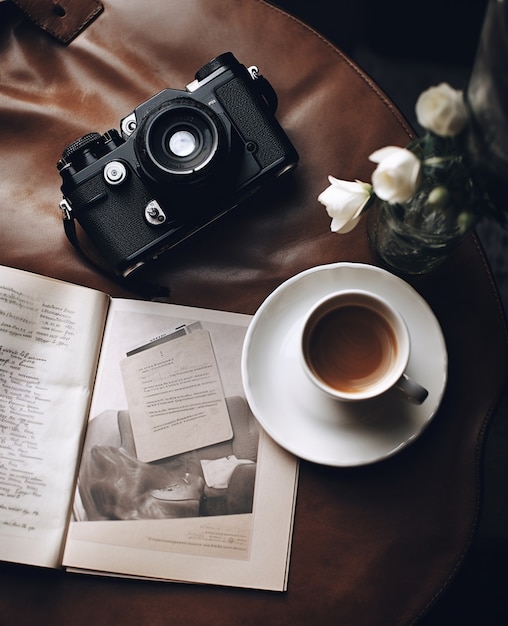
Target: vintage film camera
[{"x": 182, "y": 159}]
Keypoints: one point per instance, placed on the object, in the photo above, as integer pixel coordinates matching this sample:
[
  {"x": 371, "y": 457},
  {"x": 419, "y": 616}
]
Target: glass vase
[
  {"x": 416, "y": 236},
  {"x": 409, "y": 248}
]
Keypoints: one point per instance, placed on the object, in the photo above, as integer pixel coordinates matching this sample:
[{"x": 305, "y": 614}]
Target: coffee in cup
[{"x": 356, "y": 346}]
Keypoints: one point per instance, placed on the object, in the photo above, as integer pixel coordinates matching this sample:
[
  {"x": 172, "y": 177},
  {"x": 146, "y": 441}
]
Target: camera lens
[
  {"x": 182, "y": 143},
  {"x": 180, "y": 139}
]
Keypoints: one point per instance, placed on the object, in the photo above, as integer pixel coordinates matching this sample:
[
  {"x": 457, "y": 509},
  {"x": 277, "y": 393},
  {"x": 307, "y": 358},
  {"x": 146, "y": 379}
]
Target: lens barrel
[{"x": 181, "y": 139}]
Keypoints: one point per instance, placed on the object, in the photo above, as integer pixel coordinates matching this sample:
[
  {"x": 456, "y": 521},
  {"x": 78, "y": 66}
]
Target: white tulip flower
[
  {"x": 442, "y": 110},
  {"x": 344, "y": 202},
  {"x": 397, "y": 175}
]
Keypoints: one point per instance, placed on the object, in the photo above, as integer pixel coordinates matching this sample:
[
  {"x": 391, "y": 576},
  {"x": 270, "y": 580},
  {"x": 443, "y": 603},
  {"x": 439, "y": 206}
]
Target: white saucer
[{"x": 297, "y": 415}]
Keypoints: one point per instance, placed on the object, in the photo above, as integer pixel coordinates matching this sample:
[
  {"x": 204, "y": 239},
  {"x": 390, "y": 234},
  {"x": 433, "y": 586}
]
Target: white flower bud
[
  {"x": 442, "y": 110},
  {"x": 344, "y": 202},
  {"x": 439, "y": 196},
  {"x": 397, "y": 175}
]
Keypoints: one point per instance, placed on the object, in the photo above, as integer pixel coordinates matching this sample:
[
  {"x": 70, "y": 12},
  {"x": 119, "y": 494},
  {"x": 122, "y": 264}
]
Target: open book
[{"x": 127, "y": 446}]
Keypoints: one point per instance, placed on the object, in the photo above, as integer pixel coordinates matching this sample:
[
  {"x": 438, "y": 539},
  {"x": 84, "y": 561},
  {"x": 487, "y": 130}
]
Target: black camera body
[{"x": 181, "y": 159}]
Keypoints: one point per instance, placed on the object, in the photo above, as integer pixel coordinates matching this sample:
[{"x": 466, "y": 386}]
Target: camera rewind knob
[{"x": 80, "y": 144}]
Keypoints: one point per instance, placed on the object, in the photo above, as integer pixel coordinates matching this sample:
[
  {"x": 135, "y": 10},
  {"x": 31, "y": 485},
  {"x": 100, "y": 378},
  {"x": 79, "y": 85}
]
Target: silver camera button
[
  {"x": 154, "y": 214},
  {"x": 115, "y": 173}
]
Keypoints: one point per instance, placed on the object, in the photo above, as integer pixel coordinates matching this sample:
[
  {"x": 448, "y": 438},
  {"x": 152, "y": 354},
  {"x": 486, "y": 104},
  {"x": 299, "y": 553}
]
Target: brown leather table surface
[{"x": 372, "y": 545}]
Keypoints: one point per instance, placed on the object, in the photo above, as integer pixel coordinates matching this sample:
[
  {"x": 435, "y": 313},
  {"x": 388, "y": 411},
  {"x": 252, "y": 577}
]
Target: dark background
[{"x": 407, "y": 47}]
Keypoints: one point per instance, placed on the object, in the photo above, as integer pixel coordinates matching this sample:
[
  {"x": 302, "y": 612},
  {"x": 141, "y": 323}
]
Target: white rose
[
  {"x": 397, "y": 176},
  {"x": 344, "y": 201},
  {"x": 442, "y": 110}
]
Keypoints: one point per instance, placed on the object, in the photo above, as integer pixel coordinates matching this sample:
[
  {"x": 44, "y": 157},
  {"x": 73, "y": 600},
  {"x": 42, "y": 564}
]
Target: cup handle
[{"x": 411, "y": 389}]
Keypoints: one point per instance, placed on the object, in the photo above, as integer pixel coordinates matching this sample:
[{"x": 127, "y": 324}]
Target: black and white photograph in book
[{"x": 183, "y": 442}]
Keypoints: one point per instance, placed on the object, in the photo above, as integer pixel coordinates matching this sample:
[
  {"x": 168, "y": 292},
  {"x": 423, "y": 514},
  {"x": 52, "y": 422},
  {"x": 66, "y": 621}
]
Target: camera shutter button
[{"x": 115, "y": 173}]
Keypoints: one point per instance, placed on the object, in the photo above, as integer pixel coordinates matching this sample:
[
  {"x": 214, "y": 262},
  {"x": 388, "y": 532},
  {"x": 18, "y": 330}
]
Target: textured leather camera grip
[{"x": 64, "y": 19}]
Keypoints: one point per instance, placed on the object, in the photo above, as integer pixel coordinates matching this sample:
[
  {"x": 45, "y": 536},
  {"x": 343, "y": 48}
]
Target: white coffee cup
[{"x": 356, "y": 346}]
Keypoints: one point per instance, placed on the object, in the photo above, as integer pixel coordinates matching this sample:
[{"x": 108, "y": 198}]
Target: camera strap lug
[
  {"x": 254, "y": 71},
  {"x": 68, "y": 223},
  {"x": 264, "y": 88},
  {"x": 66, "y": 210},
  {"x": 72, "y": 235}
]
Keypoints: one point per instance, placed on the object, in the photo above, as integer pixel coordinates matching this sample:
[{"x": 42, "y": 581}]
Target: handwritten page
[
  {"x": 50, "y": 336},
  {"x": 175, "y": 397}
]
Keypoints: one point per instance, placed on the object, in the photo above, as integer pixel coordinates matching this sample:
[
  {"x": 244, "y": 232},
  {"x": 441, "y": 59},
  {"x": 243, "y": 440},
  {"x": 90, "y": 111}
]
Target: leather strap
[
  {"x": 145, "y": 289},
  {"x": 63, "y": 19}
]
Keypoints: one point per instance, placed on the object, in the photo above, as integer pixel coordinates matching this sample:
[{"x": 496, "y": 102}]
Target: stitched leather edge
[{"x": 63, "y": 19}]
